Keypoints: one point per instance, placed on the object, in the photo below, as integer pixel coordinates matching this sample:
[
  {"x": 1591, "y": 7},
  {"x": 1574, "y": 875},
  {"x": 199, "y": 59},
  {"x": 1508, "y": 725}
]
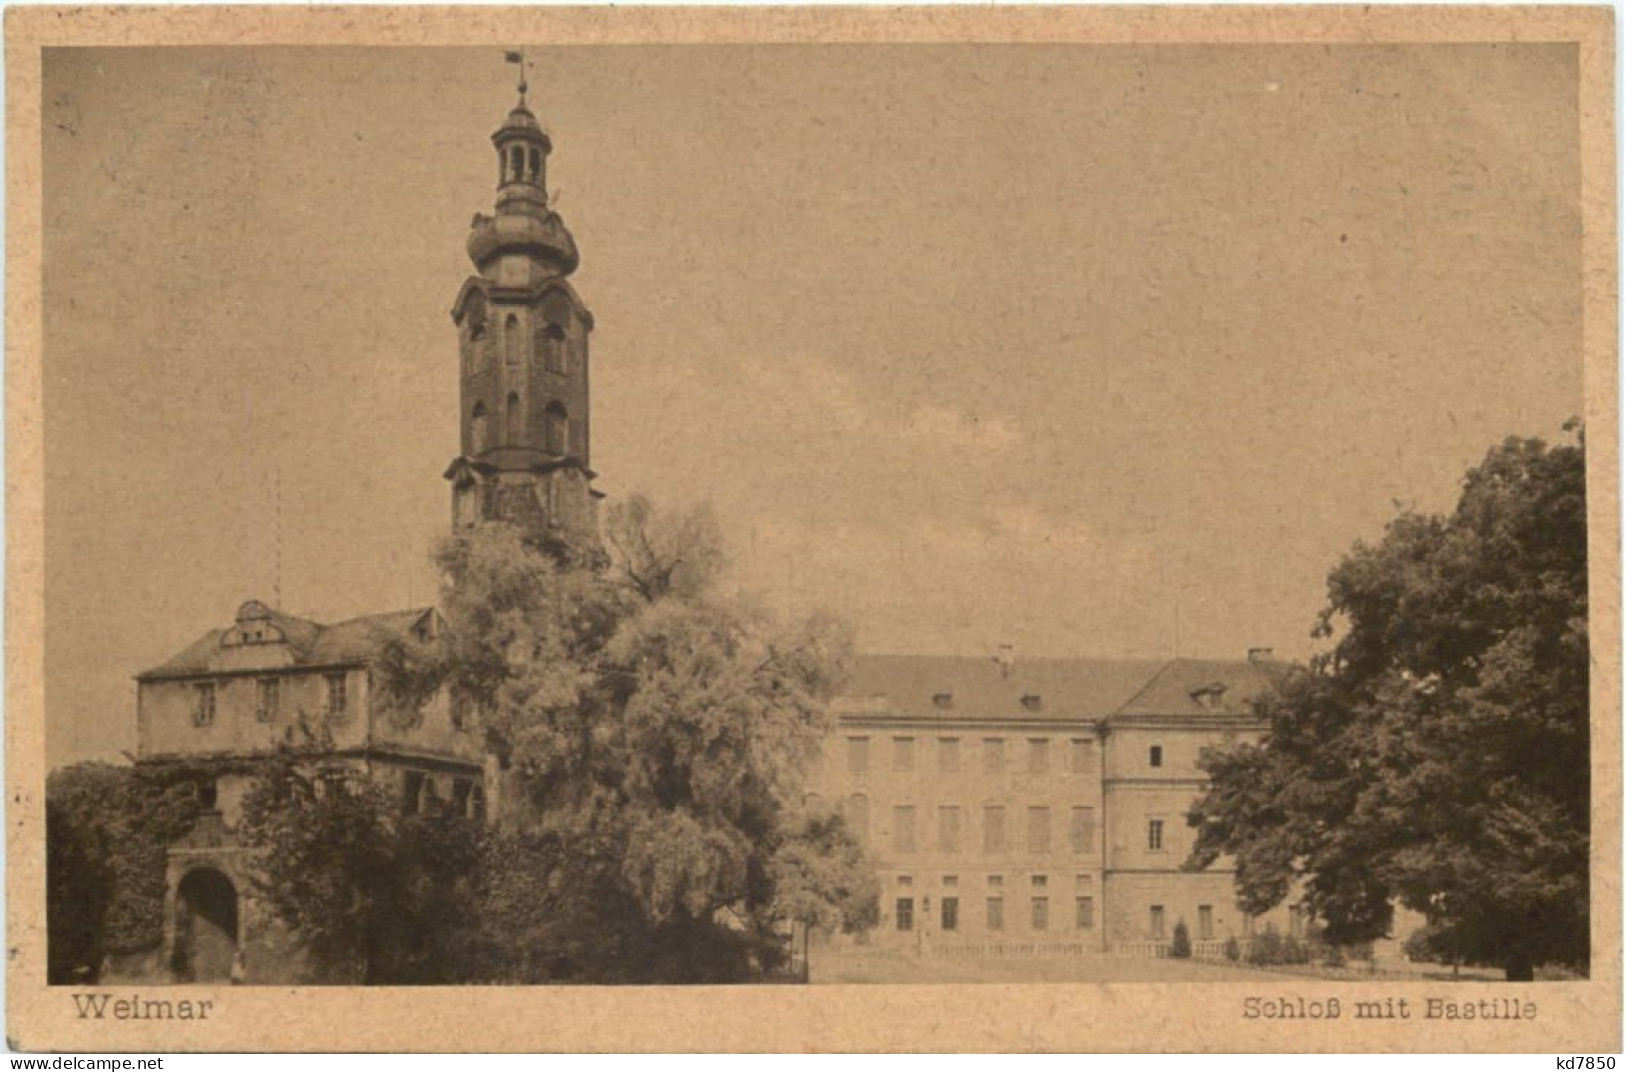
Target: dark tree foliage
[
  {"x": 1438, "y": 752},
  {"x": 108, "y": 831},
  {"x": 373, "y": 895},
  {"x": 654, "y": 734}
]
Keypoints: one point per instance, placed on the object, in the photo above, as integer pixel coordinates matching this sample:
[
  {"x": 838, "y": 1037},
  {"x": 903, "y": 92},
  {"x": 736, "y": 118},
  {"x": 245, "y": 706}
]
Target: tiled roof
[
  {"x": 981, "y": 688},
  {"x": 310, "y": 643},
  {"x": 1178, "y": 688},
  {"x": 1048, "y": 688}
]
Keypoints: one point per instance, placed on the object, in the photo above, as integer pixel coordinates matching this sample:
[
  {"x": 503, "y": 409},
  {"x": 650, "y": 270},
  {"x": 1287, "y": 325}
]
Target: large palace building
[
  {"x": 1037, "y": 806},
  {"x": 1012, "y": 806}
]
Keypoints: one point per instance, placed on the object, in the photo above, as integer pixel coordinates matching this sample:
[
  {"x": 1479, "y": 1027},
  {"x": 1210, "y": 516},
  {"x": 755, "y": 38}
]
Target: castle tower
[{"x": 522, "y": 333}]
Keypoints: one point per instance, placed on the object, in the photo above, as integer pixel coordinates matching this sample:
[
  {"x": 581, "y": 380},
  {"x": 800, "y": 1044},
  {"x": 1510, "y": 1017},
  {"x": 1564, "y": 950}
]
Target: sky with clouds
[{"x": 1089, "y": 349}]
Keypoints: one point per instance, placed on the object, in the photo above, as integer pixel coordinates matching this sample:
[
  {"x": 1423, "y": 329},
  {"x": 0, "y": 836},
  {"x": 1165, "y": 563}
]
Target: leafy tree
[
  {"x": 108, "y": 832},
  {"x": 373, "y": 895},
  {"x": 654, "y": 733},
  {"x": 1438, "y": 752}
]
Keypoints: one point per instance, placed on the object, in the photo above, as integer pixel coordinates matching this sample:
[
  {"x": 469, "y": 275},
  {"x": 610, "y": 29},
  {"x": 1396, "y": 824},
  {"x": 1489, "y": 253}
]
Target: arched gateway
[{"x": 206, "y": 912}]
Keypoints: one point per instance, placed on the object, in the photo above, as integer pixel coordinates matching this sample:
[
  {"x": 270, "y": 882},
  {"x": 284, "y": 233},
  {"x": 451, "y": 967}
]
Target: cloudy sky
[{"x": 1089, "y": 349}]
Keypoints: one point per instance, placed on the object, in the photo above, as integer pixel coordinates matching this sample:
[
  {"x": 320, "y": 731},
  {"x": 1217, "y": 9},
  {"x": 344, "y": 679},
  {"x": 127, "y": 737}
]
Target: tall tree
[
  {"x": 655, "y": 733},
  {"x": 1437, "y": 752}
]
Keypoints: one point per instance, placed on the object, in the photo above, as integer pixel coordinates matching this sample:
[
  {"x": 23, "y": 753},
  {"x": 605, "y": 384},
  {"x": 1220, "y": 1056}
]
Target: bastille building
[{"x": 1012, "y": 807}]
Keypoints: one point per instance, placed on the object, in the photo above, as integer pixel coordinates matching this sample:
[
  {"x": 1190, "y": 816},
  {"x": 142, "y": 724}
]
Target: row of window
[
  {"x": 950, "y": 826},
  {"x": 550, "y": 348},
  {"x": 1081, "y": 755},
  {"x": 1083, "y": 912},
  {"x": 420, "y": 797},
  {"x": 268, "y": 699},
  {"x": 555, "y": 427}
]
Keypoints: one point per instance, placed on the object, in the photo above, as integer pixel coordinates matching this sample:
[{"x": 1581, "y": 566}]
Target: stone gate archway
[{"x": 206, "y": 911}]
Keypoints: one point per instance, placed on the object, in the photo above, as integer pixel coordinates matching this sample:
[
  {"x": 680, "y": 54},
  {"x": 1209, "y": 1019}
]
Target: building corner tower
[{"x": 522, "y": 333}]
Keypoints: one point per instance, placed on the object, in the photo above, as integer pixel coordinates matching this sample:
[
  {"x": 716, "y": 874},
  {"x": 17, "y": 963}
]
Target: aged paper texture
[{"x": 1037, "y": 365}]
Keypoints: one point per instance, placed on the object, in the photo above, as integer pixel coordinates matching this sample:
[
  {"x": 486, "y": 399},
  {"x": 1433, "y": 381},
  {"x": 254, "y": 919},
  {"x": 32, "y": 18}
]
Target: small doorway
[{"x": 205, "y": 927}]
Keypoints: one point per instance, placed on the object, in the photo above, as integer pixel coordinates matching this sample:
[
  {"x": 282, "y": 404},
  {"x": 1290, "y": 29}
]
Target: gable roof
[
  {"x": 353, "y": 641},
  {"x": 1176, "y": 689},
  {"x": 982, "y": 688}
]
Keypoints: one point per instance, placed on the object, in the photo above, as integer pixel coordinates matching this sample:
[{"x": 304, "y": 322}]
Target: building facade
[
  {"x": 1011, "y": 806},
  {"x": 1037, "y": 806},
  {"x": 240, "y": 692}
]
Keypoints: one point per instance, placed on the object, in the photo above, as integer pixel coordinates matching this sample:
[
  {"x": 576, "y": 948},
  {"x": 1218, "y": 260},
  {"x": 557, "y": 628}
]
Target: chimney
[
  {"x": 1006, "y": 658},
  {"x": 1260, "y": 655}
]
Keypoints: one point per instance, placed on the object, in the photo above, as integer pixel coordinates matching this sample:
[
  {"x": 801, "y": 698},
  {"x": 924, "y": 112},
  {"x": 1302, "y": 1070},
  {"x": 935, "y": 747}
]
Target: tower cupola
[
  {"x": 523, "y": 231},
  {"x": 523, "y": 340}
]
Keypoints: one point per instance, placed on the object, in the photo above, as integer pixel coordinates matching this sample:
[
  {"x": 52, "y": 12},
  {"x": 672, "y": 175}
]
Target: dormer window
[
  {"x": 1209, "y": 696},
  {"x": 943, "y": 701}
]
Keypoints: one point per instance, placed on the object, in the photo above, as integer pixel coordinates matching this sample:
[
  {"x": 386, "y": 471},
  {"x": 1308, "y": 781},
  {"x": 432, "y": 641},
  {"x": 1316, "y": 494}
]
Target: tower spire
[
  {"x": 522, "y": 334},
  {"x": 519, "y": 58}
]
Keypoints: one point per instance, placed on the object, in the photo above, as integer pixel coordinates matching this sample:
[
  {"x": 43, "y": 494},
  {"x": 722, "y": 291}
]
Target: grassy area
[{"x": 888, "y": 967}]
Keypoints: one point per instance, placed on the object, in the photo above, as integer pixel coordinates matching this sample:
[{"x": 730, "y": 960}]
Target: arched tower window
[
  {"x": 516, "y": 167},
  {"x": 556, "y": 429},
  {"x": 510, "y": 343},
  {"x": 513, "y": 418},
  {"x": 552, "y": 342},
  {"x": 535, "y": 165},
  {"x": 477, "y": 430}
]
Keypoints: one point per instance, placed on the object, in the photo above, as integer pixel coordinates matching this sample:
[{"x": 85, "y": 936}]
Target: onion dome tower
[{"x": 522, "y": 331}]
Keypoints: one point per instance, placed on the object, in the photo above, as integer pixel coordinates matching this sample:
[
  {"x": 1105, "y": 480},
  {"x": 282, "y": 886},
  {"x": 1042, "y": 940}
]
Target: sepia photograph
[{"x": 556, "y": 514}]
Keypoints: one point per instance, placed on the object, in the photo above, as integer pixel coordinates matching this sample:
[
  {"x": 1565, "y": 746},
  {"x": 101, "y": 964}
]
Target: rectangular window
[
  {"x": 203, "y": 704},
  {"x": 905, "y": 913},
  {"x": 1083, "y": 755},
  {"x": 993, "y": 755},
  {"x": 902, "y": 754},
  {"x": 993, "y": 828},
  {"x": 1040, "y": 913},
  {"x": 411, "y": 792},
  {"x": 459, "y": 710},
  {"x": 1156, "y": 755},
  {"x": 857, "y": 755},
  {"x": 995, "y": 881},
  {"x": 1296, "y": 923},
  {"x": 1247, "y": 924},
  {"x": 337, "y": 702},
  {"x": 1037, "y": 755},
  {"x": 461, "y": 788},
  {"x": 1156, "y": 921},
  {"x": 1085, "y": 907},
  {"x": 1204, "y": 921},
  {"x": 1153, "y": 835},
  {"x": 950, "y": 881},
  {"x": 948, "y": 828},
  {"x": 948, "y": 754},
  {"x": 950, "y": 913},
  {"x": 1038, "y": 830},
  {"x": 995, "y": 913},
  {"x": 1082, "y": 832},
  {"x": 902, "y": 828},
  {"x": 270, "y": 699}
]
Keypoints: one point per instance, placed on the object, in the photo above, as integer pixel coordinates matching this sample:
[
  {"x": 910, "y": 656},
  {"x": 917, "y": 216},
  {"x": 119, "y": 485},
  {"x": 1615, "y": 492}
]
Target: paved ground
[{"x": 828, "y": 967}]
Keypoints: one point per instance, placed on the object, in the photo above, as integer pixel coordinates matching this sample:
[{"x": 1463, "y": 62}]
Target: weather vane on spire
[{"x": 519, "y": 58}]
